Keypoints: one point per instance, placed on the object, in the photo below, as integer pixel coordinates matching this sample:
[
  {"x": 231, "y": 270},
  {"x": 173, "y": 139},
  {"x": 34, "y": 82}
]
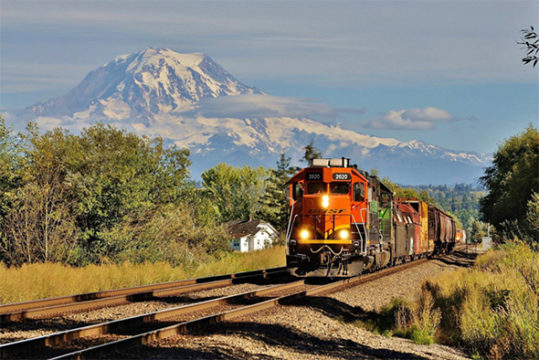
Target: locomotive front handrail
[
  {"x": 363, "y": 241},
  {"x": 289, "y": 235},
  {"x": 380, "y": 235},
  {"x": 288, "y": 229}
]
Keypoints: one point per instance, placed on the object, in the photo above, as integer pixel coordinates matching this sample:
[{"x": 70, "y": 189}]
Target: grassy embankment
[
  {"x": 38, "y": 281},
  {"x": 491, "y": 309}
]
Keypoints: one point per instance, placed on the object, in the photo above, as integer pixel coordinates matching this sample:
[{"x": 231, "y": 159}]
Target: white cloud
[
  {"x": 328, "y": 43},
  {"x": 263, "y": 106},
  {"x": 410, "y": 119}
]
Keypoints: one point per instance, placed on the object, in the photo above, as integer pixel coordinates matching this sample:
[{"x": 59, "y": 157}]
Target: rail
[
  {"x": 259, "y": 301},
  {"x": 89, "y": 301}
]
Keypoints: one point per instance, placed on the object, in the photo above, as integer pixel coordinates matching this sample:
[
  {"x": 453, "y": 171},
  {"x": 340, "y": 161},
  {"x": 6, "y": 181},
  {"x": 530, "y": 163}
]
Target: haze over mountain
[{"x": 193, "y": 102}]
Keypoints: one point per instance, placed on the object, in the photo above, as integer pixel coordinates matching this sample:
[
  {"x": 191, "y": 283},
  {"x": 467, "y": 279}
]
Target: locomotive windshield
[
  {"x": 316, "y": 188},
  {"x": 342, "y": 188}
]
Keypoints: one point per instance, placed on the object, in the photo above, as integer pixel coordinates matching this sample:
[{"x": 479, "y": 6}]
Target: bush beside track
[{"x": 491, "y": 309}]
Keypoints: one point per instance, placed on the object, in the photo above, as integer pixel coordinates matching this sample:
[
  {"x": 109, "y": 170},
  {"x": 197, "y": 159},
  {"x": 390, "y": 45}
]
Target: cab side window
[
  {"x": 297, "y": 191},
  {"x": 359, "y": 192}
]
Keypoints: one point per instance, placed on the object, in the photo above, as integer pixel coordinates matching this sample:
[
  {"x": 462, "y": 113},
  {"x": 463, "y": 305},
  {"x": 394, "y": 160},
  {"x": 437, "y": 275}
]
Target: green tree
[
  {"x": 235, "y": 192},
  {"x": 409, "y": 192},
  {"x": 477, "y": 232},
  {"x": 172, "y": 232},
  {"x": 531, "y": 40},
  {"x": 117, "y": 175},
  {"x": 424, "y": 195},
  {"x": 10, "y": 176},
  {"x": 511, "y": 181},
  {"x": 311, "y": 152},
  {"x": 38, "y": 225},
  {"x": 532, "y": 217},
  {"x": 72, "y": 191},
  {"x": 274, "y": 206}
]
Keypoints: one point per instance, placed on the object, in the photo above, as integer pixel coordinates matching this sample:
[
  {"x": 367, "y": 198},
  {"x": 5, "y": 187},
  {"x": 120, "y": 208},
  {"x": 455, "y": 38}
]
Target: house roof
[{"x": 244, "y": 227}]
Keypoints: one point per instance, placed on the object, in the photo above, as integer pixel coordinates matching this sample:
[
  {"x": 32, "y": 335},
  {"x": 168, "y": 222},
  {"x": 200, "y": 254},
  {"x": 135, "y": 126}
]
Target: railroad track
[
  {"x": 84, "y": 342},
  {"x": 90, "y": 301}
]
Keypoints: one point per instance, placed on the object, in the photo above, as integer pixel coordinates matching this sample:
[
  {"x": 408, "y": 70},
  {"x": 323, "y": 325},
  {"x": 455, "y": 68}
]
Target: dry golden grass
[
  {"x": 492, "y": 308},
  {"x": 38, "y": 281},
  {"x": 236, "y": 262}
]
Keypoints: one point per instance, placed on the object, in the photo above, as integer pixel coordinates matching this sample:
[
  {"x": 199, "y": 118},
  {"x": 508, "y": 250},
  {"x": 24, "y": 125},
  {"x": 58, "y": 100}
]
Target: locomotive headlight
[
  {"x": 325, "y": 201},
  {"x": 343, "y": 234},
  {"x": 304, "y": 234}
]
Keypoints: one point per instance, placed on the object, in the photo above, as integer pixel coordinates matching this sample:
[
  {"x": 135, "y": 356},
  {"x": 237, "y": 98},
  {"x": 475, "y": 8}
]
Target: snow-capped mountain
[
  {"x": 145, "y": 83},
  {"x": 258, "y": 142},
  {"x": 191, "y": 101}
]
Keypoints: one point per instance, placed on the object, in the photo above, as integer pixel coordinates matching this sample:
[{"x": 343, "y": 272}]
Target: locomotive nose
[{"x": 330, "y": 216}]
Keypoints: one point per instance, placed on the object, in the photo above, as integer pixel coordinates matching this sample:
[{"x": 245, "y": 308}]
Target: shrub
[{"x": 492, "y": 309}]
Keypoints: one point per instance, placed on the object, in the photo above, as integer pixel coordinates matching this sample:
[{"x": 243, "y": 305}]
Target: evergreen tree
[
  {"x": 465, "y": 201},
  {"x": 311, "y": 152},
  {"x": 274, "y": 203}
]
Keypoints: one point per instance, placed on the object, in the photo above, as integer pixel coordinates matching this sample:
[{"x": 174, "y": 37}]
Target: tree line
[
  {"x": 110, "y": 195},
  {"x": 463, "y": 201},
  {"x": 512, "y": 202}
]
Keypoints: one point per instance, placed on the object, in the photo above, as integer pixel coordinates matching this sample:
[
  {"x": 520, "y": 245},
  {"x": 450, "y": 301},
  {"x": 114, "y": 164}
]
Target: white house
[{"x": 249, "y": 235}]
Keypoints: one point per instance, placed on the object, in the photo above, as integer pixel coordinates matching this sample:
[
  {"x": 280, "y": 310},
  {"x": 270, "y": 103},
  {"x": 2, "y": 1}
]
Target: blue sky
[{"x": 446, "y": 72}]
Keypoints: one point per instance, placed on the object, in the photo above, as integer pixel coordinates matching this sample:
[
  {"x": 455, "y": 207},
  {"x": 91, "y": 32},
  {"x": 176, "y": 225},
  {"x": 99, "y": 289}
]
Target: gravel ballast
[
  {"x": 315, "y": 329},
  {"x": 32, "y": 328},
  {"x": 320, "y": 327}
]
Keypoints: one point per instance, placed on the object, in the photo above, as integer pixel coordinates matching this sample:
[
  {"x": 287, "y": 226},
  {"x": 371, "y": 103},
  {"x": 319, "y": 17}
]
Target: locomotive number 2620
[{"x": 341, "y": 176}]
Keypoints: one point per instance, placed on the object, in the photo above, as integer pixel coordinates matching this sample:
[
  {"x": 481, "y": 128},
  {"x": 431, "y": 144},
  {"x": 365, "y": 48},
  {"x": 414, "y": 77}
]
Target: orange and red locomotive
[{"x": 344, "y": 221}]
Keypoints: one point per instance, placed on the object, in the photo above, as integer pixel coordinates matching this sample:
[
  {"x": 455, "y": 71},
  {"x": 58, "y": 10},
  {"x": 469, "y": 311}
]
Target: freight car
[{"x": 344, "y": 221}]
